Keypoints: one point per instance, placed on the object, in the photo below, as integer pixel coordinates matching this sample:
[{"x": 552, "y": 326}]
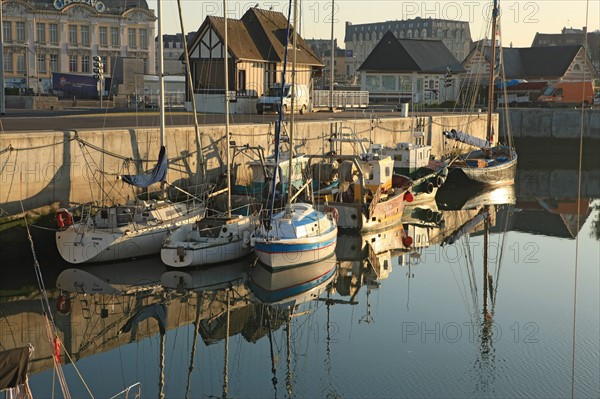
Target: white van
[{"x": 270, "y": 101}]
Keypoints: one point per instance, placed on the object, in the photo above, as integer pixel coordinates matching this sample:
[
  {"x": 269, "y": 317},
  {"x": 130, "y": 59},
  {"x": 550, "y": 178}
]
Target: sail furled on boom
[
  {"x": 467, "y": 139},
  {"x": 157, "y": 174}
]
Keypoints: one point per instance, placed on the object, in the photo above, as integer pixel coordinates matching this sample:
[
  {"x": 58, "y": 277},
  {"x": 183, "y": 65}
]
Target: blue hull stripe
[
  {"x": 275, "y": 296},
  {"x": 277, "y": 247}
]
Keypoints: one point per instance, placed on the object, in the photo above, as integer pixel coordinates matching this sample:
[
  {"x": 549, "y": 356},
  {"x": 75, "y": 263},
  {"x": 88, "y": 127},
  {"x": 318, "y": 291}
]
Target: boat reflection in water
[{"x": 291, "y": 287}]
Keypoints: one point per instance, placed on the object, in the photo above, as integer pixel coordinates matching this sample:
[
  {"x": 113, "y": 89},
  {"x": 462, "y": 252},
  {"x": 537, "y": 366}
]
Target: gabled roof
[
  {"x": 530, "y": 62},
  {"x": 260, "y": 36},
  {"x": 241, "y": 45},
  {"x": 268, "y": 29},
  {"x": 410, "y": 55}
]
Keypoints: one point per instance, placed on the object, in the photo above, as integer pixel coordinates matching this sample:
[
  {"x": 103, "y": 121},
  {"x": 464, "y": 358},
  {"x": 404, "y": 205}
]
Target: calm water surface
[{"x": 410, "y": 324}]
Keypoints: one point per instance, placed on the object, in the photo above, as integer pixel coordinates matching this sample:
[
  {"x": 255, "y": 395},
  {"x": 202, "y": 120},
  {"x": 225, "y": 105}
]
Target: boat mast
[
  {"x": 292, "y": 104},
  {"x": 227, "y": 139},
  {"x": 488, "y": 135},
  {"x": 161, "y": 88},
  {"x": 486, "y": 238}
]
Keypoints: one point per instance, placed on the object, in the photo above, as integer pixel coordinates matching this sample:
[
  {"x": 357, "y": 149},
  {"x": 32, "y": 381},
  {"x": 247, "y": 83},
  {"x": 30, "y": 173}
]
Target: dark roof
[
  {"x": 268, "y": 29},
  {"x": 410, "y": 55},
  {"x": 259, "y": 35},
  {"x": 552, "y": 61},
  {"x": 241, "y": 45}
]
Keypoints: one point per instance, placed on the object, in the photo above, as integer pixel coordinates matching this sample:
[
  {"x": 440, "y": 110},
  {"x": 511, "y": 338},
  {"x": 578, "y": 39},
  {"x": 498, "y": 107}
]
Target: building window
[
  {"x": 21, "y": 63},
  {"x": 114, "y": 37},
  {"x": 20, "y": 31},
  {"x": 41, "y": 32},
  {"x": 85, "y": 35},
  {"x": 85, "y": 63},
  {"x": 41, "y": 63},
  {"x": 103, "y": 36},
  {"x": 241, "y": 82},
  {"x": 53, "y": 30},
  {"x": 144, "y": 38},
  {"x": 73, "y": 34},
  {"x": 72, "y": 63},
  {"x": 53, "y": 62},
  {"x": 132, "y": 38},
  {"x": 8, "y": 62},
  {"x": 7, "y": 27}
]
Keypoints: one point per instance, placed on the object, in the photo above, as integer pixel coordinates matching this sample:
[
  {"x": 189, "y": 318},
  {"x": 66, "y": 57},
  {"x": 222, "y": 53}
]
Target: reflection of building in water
[
  {"x": 548, "y": 201},
  {"x": 90, "y": 324}
]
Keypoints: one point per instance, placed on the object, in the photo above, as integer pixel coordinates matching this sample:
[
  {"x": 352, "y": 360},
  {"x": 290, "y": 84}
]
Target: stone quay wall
[{"x": 63, "y": 168}]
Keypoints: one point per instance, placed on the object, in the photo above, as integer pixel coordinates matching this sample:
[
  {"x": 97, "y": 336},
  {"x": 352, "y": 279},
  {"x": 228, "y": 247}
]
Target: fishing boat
[
  {"x": 219, "y": 238},
  {"x": 299, "y": 234},
  {"x": 367, "y": 194},
  {"x": 414, "y": 161},
  {"x": 137, "y": 228},
  {"x": 491, "y": 164}
]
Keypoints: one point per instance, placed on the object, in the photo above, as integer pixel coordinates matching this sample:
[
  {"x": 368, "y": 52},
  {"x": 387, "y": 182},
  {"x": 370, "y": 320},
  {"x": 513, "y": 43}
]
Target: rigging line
[
  {"x": 194, "y": 343},
  {"x": 50, "y": 326},
  {"x": 579, "y": 174},
  {"x": 11, "y": 148},
  {"x": 87, "y": 162},
  {"x": 8, "y": 148}
]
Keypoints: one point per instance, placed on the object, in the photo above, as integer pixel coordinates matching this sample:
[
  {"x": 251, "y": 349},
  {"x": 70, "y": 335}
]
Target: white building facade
[{"x": 45, "y": 36}]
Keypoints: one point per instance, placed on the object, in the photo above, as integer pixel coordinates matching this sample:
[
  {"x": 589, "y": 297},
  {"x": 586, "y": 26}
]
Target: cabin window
[
  {"x": 559, "y": 92},
  {"x": 104, "y": 214},
  {"x": 387, "y": 171}
]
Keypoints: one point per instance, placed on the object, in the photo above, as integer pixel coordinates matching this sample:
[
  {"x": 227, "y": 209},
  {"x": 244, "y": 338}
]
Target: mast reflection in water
[{"x": 497, "y": 328}]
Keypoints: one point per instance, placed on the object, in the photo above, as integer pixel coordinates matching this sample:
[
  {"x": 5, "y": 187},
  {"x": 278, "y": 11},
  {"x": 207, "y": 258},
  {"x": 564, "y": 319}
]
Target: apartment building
[
  {"x": 45, "y": 36},
  {"x": 361, "y": 39}
]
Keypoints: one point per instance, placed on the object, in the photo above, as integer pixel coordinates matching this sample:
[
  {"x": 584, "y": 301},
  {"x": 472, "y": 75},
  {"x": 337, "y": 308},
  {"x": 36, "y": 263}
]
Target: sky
[{"x": 520, "y": 19}]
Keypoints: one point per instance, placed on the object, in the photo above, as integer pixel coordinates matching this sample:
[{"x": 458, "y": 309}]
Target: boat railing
[{"x": 135, "y": 389}]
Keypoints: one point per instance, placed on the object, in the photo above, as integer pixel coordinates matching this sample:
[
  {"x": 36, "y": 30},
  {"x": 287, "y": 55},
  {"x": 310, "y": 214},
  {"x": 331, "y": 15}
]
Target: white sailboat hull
[
  {"x": 287, "y": 246},
  {"x": 80, "y": 243},
  {"x": 189, "y": 247}
]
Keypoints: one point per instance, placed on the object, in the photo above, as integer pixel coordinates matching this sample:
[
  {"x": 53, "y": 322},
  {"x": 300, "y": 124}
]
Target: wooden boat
[
  {"x": 368, "y": 195},
  {"x": 491, "y": 164}
]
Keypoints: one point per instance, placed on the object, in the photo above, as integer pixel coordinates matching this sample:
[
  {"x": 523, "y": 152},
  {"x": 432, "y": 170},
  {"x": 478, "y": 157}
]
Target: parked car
[{"x": 271, "y": 100}]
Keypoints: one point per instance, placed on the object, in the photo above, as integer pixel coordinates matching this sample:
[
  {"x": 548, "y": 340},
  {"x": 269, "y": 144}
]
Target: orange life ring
[
  {"x": 408, "y": 196},
  {"x": 407, "y": 241},
  {"x": 63, "y": 218},
  {"x": 63, "y": 304}
]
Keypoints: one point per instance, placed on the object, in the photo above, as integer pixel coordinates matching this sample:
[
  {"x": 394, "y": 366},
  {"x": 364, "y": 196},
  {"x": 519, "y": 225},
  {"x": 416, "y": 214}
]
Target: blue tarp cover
[
  {"x": 157, "y": 174},
  {"x": 157, "y": 311}
]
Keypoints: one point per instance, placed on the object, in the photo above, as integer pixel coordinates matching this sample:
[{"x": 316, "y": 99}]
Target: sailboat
[
  {"x": 213, "y": 239},
  {"x": 137, "y": 228},
  {"x": 299, "y": 234},
  {"x": 491, "y": 164}
]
